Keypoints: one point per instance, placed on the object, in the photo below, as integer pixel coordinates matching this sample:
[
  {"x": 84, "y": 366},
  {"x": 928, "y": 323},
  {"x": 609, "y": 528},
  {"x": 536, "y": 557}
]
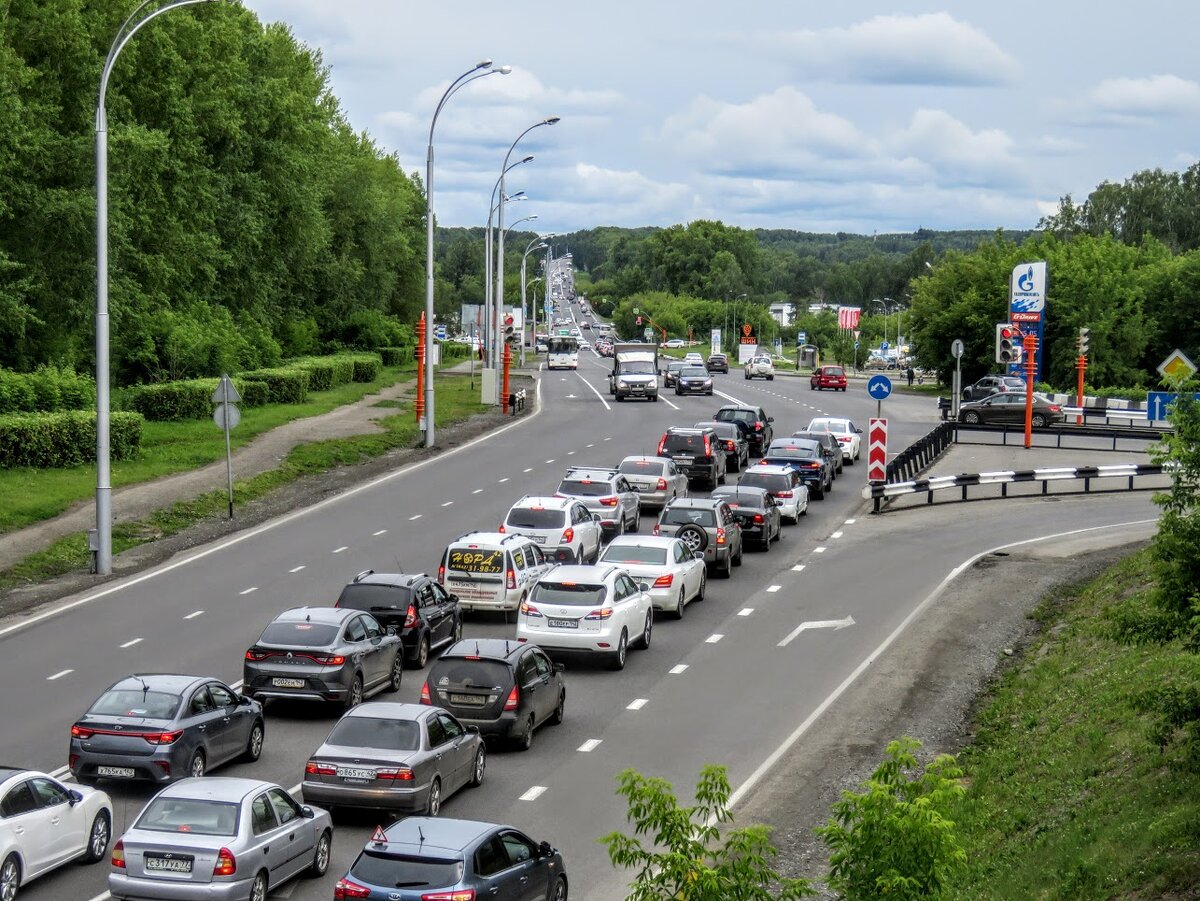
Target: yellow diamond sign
[{"x": 1177, "y": 367}]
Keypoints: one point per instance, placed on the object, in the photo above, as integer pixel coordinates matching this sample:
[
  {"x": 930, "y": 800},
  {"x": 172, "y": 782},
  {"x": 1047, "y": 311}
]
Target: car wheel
[
  {"x": 703, "y": 584},
  {"x": 254, "y": 743},
  {"x": 393, "y": 683},
  {"x": 560, "y": 890},
  {"x": 694, "y": 537},
  {"x": 654, "y": 398},
  {"x": 678, "y": 611},
  {"x": 596, "y": 554},
  {"x": 812, "y": 387},
  {"x": 258, "y": 889},
  {"x": 737, "y": 561},
  {"x": 525, "y": 742},
  {"x": 770, "y": 378},
  {"x": 850, "y": 461},
  {"x": 819, "y": 494},
  {"x": 647, "y": 631},
  {"x": 197, "y": 766},
  {"x": 10, "y": 878},
  {"x": 1038, "y": 421},
  {"x": 420, "y": 656},
  {"x": 321, "y": 854},
  {"x": 98, "y": 837},
  {"x": 617, "y": 660},
  {"x": 480, "y": 766},
  {"x": 637, "y": 520},
  {"x": 355, "y": 695},
  {"x": 971, "y": 417},
  {"x": 727, "y": 569},
  {"x": 779, "y": 530},
  {"x": 556, "y": 717},
  {"x": 458, "y": 629},
  {"x": 434, "y": 806}
]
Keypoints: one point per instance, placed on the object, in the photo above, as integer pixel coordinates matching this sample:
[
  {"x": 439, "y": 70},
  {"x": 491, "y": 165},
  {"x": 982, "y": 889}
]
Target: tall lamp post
[
  {"x": 102, "y": 546},
  {"x": 470, "y": 75},
  {"x": 488, "y": 259},
  {"x": 529, "y": 248},
  {"x": 499, "y": 295}
]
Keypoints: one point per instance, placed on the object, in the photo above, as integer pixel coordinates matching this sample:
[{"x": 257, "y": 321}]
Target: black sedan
[
  {"x": 1009, "y": 408},
  {"x": 717, "y": 363},
  {"x": 694, "y": 380},
  {"x": 157, "y": 727},
  {"x": 733, "y": 439},
  {"x": 756, "y": 511},
  {"x": 425, "y": 614},
  {"x": 829, "y": 443}
]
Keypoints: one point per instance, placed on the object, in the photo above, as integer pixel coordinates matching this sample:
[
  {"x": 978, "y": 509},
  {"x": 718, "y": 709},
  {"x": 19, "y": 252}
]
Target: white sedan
[
  {"x": 848, "y": 435},
  {"x": 44, "y": 824},
  {"x": 675, "y": 575},
  {"x": 675, "y": 343}
]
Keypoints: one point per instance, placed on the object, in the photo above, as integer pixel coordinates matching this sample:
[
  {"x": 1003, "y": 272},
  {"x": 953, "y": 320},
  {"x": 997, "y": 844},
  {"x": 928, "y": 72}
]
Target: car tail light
[
  {"x": 608, "y": 502},
  {"x": 813, "y": 465},
  {"x": 1055, "y": 408},
  {"x": 441, "y": 575},
  {"x": 333, "y": 660},
  {"x": 707, "y": 447},
  {"x": 346, "y": 888},
  {"x": 312, "y": 768},
  {"x": 758, "y": 518},
  {"x": 513, "y": 700},
  {"x": 729, "y": 445},
  {"x": 81, "y": 732},
  {"x": 528, "y": 609},
  {"x": 661, "y": 486},
  {"x": 118, "y": 854},
  {"x": 459, "y": 894},
  {"x": 664, "y": 581},
  {"x": 255, "y": 654},
  {"x": 783, "y": 494},
  {"x": 502, "y": 530},
  {"x": 410, "y": 618},
  {"x": 720, "y": 535},
  {"x": 163, "y": 738},
  {"x": 511, "y": 581},
  {"x": 662, "y": 442},
  {"x": 601, "y": 613},
  {"x": 656, "y": 530},
  {"x": 395, "y": 774},
  {"x": 226, "y": 864},
  {"x": 758, "y": 426},
  {"x": 425, "y": 699},
  {"x": 568, "y": 536}
]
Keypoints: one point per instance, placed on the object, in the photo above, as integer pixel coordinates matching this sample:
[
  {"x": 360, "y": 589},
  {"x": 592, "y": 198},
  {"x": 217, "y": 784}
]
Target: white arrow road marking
[{"x": 835, "y": 624}]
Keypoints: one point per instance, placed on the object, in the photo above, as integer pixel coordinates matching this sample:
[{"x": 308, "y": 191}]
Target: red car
[{"x": 828, "y": 377}]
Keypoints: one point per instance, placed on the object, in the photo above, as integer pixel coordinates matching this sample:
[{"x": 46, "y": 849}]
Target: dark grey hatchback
[
  {"x": 425, "y": 614},
  {"x": 323, "y": 654}
]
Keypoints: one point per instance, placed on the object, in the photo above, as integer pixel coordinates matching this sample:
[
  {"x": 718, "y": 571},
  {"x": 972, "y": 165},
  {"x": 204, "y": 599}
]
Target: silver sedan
[{"x": 219, "y": 839}]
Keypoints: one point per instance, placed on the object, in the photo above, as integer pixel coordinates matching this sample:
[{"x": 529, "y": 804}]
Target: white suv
[
  {"x": 491, "y": 571},
  {"x": 606, "y": 492},
  {"x": 565, "y": 530},
  {"x": 597, "y": 609},
  {"x": 760, "y": 367}
]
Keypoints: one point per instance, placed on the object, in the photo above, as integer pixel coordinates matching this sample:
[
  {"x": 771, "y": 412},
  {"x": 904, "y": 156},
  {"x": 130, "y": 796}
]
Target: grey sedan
[
  {"x": 401, "y": 757},
  {"x": 159, "y": 727},
  {"x": 219, "y": 839}
]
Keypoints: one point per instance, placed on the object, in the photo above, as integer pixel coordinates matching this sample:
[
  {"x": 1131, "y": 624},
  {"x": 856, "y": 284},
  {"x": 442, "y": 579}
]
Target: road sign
[
  {"x": 856, "y": 345},
  {"x": 1158, "y": 404},
  {"x": 1177, "y": 366},
  {"x": 879, "y": 387},
  {"x": 648, "y": 333},
  {"x": 439, "y": 332},
  {"x": 956, "y": 348},
  {"x": 227, "y": 413},
  {"x": 883, "y": 345},
  {"x": 877, "y": 450},
  {"x": 226, "y": 392},
  {"x": 801, "y": 338}
]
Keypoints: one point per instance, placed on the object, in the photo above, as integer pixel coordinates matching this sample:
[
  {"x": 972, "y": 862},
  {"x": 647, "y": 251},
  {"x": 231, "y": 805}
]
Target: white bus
[{"x": 563, "y": 352}]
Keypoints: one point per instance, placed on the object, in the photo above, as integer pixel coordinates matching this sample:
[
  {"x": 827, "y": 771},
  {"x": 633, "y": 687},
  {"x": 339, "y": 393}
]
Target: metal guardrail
[
  {"x": 1129, "y": 417},
  {"x": 921, "y": 453},
  {"x": 1061, "y": 432}
]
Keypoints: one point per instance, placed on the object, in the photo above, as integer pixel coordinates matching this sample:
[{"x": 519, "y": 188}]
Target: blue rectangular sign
[{"x": 1159, "y": 402}]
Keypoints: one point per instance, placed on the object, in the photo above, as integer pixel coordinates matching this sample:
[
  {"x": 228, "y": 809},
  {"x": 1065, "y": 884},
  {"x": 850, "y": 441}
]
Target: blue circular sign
[{"x": 879, "y": 386}]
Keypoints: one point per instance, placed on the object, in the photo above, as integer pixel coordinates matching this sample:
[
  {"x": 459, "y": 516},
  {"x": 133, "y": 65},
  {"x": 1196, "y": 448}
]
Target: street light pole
[
  {"x": 102, "y": 562},
  {"x": 470, "y": 75},
  {"x": 528, "y": 247},
  {"x": 487, "y": 264}
]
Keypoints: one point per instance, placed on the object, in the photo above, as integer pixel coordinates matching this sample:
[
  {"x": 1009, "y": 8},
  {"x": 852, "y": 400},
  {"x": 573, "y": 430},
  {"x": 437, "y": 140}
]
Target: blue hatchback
[
  {"x": 462, "y": 860},
  {"x": 807, "y": 458}
]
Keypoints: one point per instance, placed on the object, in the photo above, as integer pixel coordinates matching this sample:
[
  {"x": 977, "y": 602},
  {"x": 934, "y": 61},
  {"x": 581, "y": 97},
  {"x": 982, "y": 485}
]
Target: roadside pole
[
  {"x": 956, "y": 348},
  {"x": 227, "y": 416},
  {"x": 1030, "y": 347},
  {"x": 419, "y": 407}
]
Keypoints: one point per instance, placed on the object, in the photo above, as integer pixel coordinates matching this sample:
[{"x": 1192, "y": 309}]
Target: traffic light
[
  {"x": 1007, "y": 340},
  {"x": 1085, "y": 337},
  {"x": 509, "y": 332},
  {"x": 639, "y": 320}
]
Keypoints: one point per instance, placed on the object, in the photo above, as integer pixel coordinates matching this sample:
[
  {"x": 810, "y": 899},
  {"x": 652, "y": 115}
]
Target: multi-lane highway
[{"x": 722, "y": 685}]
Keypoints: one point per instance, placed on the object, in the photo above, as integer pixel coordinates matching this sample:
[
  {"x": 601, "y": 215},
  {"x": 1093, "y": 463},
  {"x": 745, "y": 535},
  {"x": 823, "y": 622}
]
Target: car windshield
[
  {"x": 568, "y": 594},
  {"x": 765, "y": 480},
  {"x": 585, "y": 488},
  {"x": 637, "y": 367},
  {"x": 404, "y": 871},
  {"x": 154, "y": 705},
  {"x": 682, "y": 516},
  {"x": 189, "y": 815},
  {"x": 694, "y": 372},
  {"x": 299, "y": 635},
  {"x": 360, "y": 596},
  {"x": 534, "y": 518},
  {"x": 458, "y": 672},
  {"x": 684, "y": 444},
  {"x": 641, "y": 467},
  {"x": 370, "y": 732},
  {"x": 617, "y": 553}
]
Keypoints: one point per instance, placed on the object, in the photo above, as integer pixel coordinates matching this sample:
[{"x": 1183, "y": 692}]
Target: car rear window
[
  {"x": 682, "y": 516},
  {"x": 584, "y": 488},
  {"x": 641, "y": 467},
  {"x": 768, "y": 481},
  {"x": 358, "y": 596},
  {"x": 475, "y": 560},
  {"x": 301, "y": 635},
  {"x": 834, "y": 371},
  {"x": 457, "y": 672},
  {"x": 403, "y": 871},
  {"x": 793, "y": 452},
  {"x": 568, "y": 594},
  {"x": 736, "y": 416},
  {"x": 684, "y": 444},
  {"x": 535, "y": 518},
  {"x": 630, "y": 554},
  {"x": 154, "y": 705},
  {"x": 189, "y": 815},
  {"x": 372, "y": 732}
]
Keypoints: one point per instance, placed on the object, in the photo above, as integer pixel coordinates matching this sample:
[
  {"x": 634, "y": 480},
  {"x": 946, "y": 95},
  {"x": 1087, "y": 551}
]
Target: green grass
[
  {"x": 32, "y": 495},
  {"x": 457, "y": 401},
  {"x": 1069, "y": 797}
]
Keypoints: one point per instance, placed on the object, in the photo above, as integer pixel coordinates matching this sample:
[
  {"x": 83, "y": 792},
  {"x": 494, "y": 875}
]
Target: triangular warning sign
[{"x": 379, "y": 837}]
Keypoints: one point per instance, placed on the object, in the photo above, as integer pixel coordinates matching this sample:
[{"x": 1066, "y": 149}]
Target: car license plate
[
  {"x": 168, "y": 864},
  {"x": 686, "y": 461},
  {"x": 643, "y": 488},
  {"x": 563, "y": 623},
  {"x": 349, "y": 772},
  {"x": 539, "y": 539},
  {"x": 123, "y": 771},
  {"x": 288, "y": 683},
  {"x": 467, "y": 700}
]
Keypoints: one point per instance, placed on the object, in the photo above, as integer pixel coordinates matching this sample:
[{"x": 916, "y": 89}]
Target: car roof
[
  {"x": 718, "y": 426},
  {"x": 553, "y": 503},
  {"x": 170, "y": 682},
  {"x": 740, "y": 407},
  {"x": 686, "y": 430},
  {"x": 474, "y": 538},
  {"x": 8, "y": 772},
  {"x": 769, "y": 470},
  {"x": 739, "y": 491},
  {"x": 642, "y": 541},
  {"x": 388, "y": 710},
  {"x": 793, "y": 442},
  {"x": 327, "y": 615},
  {"x": 594, "y": 472},
  {"x": 215, "y": 788},
  {"x": 580, "y": 572},
  {"x": 396, "y": 580},
  {"x": 694, "y": 503},
  {"x": 427, "y": 836},
  {"x": 831, "y": 420},
  {"x": 488, "y": 648},
  {"x": 642, "y": 458}
]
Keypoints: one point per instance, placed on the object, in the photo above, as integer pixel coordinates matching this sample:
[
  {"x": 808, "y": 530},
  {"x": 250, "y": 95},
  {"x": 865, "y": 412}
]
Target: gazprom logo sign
[{"x": 1028, "y": 288}]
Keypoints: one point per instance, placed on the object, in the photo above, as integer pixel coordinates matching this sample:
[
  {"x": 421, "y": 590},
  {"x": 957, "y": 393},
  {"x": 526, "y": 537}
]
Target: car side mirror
[
  {"x": 770, "y": 419},
  {"x": 392, "y": 630},
  {"x": 698, "y": 555},
  {"x": 596, "y": 517},
  {"x": 560, "y": 667},
  {"x": 545, "y": 850},
  {"x": 75, "y": 797},
  {"x": 643, "y": 586},
  {"x": 859, "y": 431},
  {"x": 244, "y": 701},
  {"x": 307, "y": 812},
  {"x": 472, "y": 729}
]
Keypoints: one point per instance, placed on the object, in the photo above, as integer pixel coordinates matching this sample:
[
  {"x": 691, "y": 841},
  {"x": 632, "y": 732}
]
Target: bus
[{"x": 563, "y": 352}]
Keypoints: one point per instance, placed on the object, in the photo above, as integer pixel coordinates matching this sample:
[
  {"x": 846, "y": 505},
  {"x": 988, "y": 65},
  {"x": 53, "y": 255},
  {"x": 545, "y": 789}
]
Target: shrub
[
  {"x": 343, "y": 369},
  {"x": 46, "y": 389},
  {"x": 190, "y": 398},
  {"x": 320, "y": 373},
  {"x": 397, "y": 356},
  {"x": 284, "y": 386},
  {"x": 454, "y": 350},
  {"x": 366, "y": 367},
  {"x": 64, "y": 438},
  {"x": 370, "y": 330},
  {"x": 254, "y": 394}
]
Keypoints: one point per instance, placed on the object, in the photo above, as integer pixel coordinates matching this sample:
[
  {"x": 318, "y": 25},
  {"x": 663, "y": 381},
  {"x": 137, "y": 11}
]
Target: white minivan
[{"x": 492, "y": 571}]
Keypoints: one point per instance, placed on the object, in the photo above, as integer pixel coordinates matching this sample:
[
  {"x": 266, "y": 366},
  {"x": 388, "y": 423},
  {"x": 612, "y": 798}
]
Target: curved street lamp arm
[
  {"x": 466, "y": 78},
  {"x": 123, "y": 38}
]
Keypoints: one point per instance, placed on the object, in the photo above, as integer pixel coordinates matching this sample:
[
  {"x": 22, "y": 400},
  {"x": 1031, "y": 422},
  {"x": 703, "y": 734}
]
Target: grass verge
[
  {"x": 457, "y": 401},
  {"x": 1069, "y": 796}
]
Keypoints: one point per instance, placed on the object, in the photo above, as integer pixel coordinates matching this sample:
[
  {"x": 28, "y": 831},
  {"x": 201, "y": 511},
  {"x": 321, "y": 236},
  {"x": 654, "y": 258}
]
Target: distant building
[{"x": 783, "y": 313}]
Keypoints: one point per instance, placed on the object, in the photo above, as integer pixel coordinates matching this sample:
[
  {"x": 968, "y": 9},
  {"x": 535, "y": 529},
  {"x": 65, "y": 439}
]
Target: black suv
[
  {"x": 755, "y": 423},
  {"x": 425, "y": 615},
  {"x": 756, "y": 512},
  {"x": 737, "y": 448},
  {"x": 505, "y": 688},
  {"x": 829, "y": 444},
  {"x": 698, "y": 453}
]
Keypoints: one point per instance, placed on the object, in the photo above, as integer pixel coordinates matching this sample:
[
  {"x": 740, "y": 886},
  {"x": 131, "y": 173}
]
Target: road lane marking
[
  {"x": 798, "y": 568},
  {"x": 417, "y": 516},
  {"x": 338, "y": 550},
  {"x": 533, "y": 794},
  {"x": 450, "y": 503},
  {"x": 254, "y": 588},
  {"x": 850, "y": 522},
  {"x": 570, "y": 453},
  {"x": 131, "y": 643},
  {"x": 594, "y": 391},
  {"x": 194, "y": 614},
  {"x": 498, "y": 482},
  {"x": 551, "y": 460},
  {"x": 773, "y": 588},
  {"x": 635, "y": 704},
  {"x": 590, "y": 745},
  {"x": 609, "y": 438},
  {"x": 59, "y": 675},
  {"x": 528, "y": 469},
  {"x": 714, "y": 638},
  {"x": 819, "y": 550},
  {"x": 60, "y": 772},
  {"x": 837, "y": 534},
  {"x": 591, "y": 445},
  {"x": 377, "y": 534},
  {"x": 836, "y": 624},
  {"x": 745, "y": 611},
  {"x": 669, "y": 404},
  {"x": 296, "y": 569},
  {"x": 477, "y": 491},
  {"x": 677, "y": 669}
]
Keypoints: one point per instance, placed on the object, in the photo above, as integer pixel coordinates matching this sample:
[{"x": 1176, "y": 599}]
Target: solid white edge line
[
  {"x": 273, "y": 524},
  {"x": 731, "y": 398},
  {"x": 594, "y": 391},
  {"x": 769, "y": 764},
  {"x": 669, "y": 404}
]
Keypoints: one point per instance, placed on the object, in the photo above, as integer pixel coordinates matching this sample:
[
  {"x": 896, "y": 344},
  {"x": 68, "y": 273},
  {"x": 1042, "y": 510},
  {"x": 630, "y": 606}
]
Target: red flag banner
[{"x": 848, "y": 317}]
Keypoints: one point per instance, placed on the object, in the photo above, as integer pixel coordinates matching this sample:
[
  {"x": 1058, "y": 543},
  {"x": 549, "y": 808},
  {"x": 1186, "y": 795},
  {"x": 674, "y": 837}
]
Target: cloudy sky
[{"x": 844, "y": 116}]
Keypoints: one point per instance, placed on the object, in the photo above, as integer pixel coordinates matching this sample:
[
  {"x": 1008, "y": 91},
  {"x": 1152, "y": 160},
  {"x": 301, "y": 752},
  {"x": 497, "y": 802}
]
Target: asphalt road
[{"x": 715, "y": 687}]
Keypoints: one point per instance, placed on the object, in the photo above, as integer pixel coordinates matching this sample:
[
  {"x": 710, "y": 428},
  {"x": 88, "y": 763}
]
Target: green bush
[
  {"x": 64, "y": 438},
  {"x": 1138, "y": 394},
  {"x": 454, "y": 350},
  {"x": 366, "y": 367},
  {"x": 254, "y": 394},
  {"x": 320, "y": 373},
  {"x": 284, "y": 386},
  {"x": 370, "y": 330},
  {"x": 46, "y": 389},
  {"x": 343, "y": 370},
  {"x": 190, "y": 398},
  {"x": 397, "y": 356}
]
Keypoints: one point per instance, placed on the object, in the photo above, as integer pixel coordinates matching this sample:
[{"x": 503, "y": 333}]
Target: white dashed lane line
[
  {"x": 477, "y": 491},
  {"x": 678, "y": 668},
  {"x": 590, "y": 745},
  {"x": 714, "y": 638},
  {"x": 837, "y": 534},
  {"x": 338, "y": 550},
  {"x": 415, "y": 516},
  {"x": 194, "y": 614},
  {"x": 551, "y": 460},
  {"x": 59, "y": 675},
  {"x": 450, "y": 503},
  {"x": 296, "y": 569},
  {"x": 534, "y": 793},
  {"x": 254, "y": 588},
  {"x": 635, "y": 704},
  {"x": 773, "y": 588},
  {"x": 819, "y": 550},
  {"x": 131, "y": 642},
  {"x": 528, "y": 469},
  {"x": 850, "y": 522},
  {"x": 380, "y": 532},
  {"x": 745, "y": 611}
]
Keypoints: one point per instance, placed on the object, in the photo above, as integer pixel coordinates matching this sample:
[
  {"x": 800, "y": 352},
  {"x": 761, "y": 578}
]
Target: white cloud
[
  {"x": 930, "y": 49},
  {"x": 1157, "y": 96},
  {"x": 954, "y": 153}
]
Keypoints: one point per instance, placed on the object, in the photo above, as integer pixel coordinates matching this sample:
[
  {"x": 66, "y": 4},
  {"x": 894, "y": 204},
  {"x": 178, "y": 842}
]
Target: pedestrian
[{"x": 911, "y": 375}]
